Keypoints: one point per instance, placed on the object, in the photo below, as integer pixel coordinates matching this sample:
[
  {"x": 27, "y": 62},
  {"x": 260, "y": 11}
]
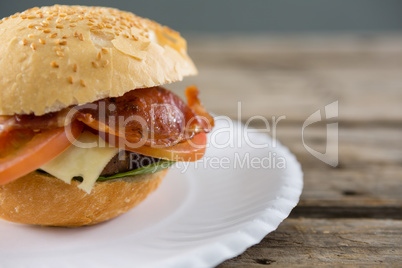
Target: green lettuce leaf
[{"x": 152, "y": 168}]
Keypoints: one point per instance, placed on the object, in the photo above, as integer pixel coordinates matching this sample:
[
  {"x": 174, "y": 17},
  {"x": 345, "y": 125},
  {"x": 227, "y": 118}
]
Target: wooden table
[{"x": 351, "y": 214}]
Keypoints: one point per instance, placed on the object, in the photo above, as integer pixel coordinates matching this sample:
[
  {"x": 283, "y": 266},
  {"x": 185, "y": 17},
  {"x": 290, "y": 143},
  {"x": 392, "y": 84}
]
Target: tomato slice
[
  {"x": 187, "y": 151},
  {"x": 23, "y": 151}
]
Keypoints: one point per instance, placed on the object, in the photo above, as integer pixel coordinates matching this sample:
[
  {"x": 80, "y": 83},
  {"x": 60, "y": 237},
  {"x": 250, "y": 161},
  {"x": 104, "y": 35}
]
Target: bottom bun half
[{"x": 41, "y": 199}]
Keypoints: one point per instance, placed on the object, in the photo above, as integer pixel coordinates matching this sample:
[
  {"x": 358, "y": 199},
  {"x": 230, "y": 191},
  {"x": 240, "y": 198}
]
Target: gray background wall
[{"x": 253, "y": 15}]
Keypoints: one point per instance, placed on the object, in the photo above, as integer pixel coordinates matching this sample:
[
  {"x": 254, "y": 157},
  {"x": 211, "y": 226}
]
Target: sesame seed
[
  {"x": 24, "y": 42},
  {"x": 82, "y": 82},
  {"x": 54, "y": 64},
  {"x": 75, "y": 68},
  {"x": 95, "y": 64},
  {"x": 33, "y": 46},
  {"x": 65, "y": 36},
  {"x": 31, "y": 35},
  {"x": 63, "y": 43},
  {"x": 59, "y": 53},
  {"x": 109, "y": 21},
  {"x": 70, "y": 79}
]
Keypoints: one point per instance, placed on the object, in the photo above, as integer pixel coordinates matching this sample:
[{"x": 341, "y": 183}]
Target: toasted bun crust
[
  {"x": 44, "y": 200},
  {"x": 54, "y": 57}
]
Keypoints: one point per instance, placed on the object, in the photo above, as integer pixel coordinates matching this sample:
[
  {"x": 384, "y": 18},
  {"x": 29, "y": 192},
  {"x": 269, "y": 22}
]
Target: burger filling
[
  {"x": 143, "y": 131},
  {"x": 126, "y": 161}
]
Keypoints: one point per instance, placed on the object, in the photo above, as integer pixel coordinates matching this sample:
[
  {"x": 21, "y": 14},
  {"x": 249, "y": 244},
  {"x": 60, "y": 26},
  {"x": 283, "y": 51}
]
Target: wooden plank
[
  {"x": 369, "y": 173},
  {"x": 288, "y": 44},
  {"x": 359, "y": 147},
  {"x": 308, "y": 242},
  {"x": 295, "y": 76},
  {"x": 373, "y": 187}
]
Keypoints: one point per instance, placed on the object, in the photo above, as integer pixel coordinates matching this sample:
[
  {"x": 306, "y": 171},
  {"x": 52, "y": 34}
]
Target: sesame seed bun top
[{"x": 54, "y": 57}]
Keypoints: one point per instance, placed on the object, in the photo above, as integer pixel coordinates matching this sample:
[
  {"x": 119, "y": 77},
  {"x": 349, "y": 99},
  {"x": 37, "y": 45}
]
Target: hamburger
[{"x": 87, "y": 130}]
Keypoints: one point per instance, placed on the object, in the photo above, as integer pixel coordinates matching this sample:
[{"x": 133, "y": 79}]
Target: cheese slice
[{"x": 87, "y": 157}]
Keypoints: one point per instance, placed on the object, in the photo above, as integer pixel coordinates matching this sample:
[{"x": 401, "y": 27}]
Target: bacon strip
[
  {"x": 30, "y": 121},
  {"x": 194, "y": 103},
  {"x": 152, "y": 116}
]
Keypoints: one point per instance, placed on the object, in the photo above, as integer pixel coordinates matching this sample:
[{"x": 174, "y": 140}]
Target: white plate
[{"x": 197, "y": 218}]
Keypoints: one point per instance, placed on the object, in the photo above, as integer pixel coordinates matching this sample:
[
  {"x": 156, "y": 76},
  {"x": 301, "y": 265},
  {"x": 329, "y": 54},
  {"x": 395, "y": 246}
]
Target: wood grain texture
[
  {"x": 348, "y": 215},
  {"x": 327, "y": 242},
  {"x": 293, "y": 76}
]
